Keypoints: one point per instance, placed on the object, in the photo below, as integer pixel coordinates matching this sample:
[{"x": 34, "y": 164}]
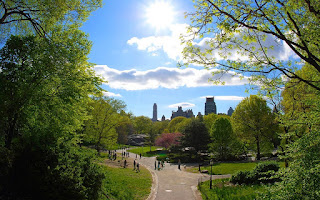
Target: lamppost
[{"x": 211, "y": 163}]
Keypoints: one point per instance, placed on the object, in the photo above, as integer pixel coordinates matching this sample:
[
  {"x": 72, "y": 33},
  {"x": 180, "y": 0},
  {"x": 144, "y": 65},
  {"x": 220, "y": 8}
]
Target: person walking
[
  {"x": 155, "y": 165},
  {"x": 134, "y": 165},
  {"x": 138, "y": 167},
  {"x": 140, "y": 155},
  {"x": 179, "y": 163},
  {"x": 125, "y": 163}
]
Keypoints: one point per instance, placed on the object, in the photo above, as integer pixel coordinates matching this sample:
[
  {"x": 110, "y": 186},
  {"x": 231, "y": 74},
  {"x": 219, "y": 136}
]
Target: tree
[
  {"x": 223, "y": 139},
  {"x": 143, "y": 125},
  {"x": 44, "y": 94},
  {"x": 301, "y": 140},
  {"x": 245, "y": 34},
  {"x": 168, "y": 140},
  {"x": 254, "y": 122},
  {"x": 101, "y": 128},
  {"x": 196, "y": 135},
  {"x": 125, "y": 128},
  {"x": 40, "y": 16},
  {"x": 210, "y": 119},
  {"x": 174, "y": 123},
  {"x": 160, "y": 126}
]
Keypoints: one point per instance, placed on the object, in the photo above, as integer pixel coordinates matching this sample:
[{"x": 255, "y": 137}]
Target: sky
[{"x": 136, "y": 48}]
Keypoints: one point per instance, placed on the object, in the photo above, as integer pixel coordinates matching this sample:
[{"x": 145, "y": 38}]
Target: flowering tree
[{"x": 167, "y": 140}]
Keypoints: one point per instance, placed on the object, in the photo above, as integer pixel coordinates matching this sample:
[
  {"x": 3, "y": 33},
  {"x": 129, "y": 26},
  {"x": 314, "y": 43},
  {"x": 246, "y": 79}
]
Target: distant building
[
  {"x": 210, "y": 106},
  {"x": 230, "y": 111},
  {"x": 155, "y": 113},
  {"x": 199, "y": 114},
  {"x": 180, "y": 112},
  {"x": 163, "y": 118}
]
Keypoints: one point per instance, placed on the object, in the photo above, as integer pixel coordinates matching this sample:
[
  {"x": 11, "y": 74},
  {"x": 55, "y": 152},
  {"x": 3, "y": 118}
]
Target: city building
[
  {"x": 155, "y": 113},
  {"x": 180, "y": 112},
  {"x": 163, "y": 118},
  {"x": 210, "y": 106},
  {"x": 230, "y": 111}
]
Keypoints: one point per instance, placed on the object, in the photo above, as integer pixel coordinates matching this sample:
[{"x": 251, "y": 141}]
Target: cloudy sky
[{"x": 136, "y": 48}]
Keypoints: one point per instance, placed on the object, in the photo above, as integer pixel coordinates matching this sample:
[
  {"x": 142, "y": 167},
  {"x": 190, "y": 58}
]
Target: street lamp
[{"x": 211, "y": 163}]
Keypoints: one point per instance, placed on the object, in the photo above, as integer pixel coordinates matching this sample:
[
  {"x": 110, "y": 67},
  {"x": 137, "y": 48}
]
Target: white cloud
[
  {"x": 164, "y": 77},
  {"x": 171, "y": 45},
  {"x": 226, "y": 98},
  {"x": 111, "y": 94},
  {"x": 182, "y": 104}
]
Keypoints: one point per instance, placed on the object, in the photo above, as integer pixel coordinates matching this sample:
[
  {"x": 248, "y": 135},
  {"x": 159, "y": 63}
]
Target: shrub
[{"x": 264, "y": 172}]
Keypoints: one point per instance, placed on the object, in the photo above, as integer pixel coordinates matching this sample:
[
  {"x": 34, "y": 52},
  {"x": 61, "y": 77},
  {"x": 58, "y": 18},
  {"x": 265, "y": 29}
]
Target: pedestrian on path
[
  {"x": 134, "y": 165},
  {"x": 125, "y": 164},
  {"x": 179, "y": 163},
  {"x": 140, "y": 155},
  {"x": 155, "y": 165},
  {"x": 138, "y": 169}
]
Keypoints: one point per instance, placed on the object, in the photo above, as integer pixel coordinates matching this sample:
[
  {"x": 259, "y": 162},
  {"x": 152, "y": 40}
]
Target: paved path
[{"x": 171, "y": 183}]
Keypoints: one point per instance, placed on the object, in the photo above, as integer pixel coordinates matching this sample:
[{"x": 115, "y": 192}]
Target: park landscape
[{"x": 64, "y": 135}]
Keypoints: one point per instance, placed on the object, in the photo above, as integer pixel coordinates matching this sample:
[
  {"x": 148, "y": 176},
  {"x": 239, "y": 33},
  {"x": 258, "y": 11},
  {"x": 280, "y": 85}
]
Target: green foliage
[
  {"x": 142, "y": 125},
  {"x": 45, "y": 91},
  {"x": 264, "y": 172},
  {"x": 41, "y": 16},
  {"x": 196, "y": 135},
  {"x": 301, "y": 179},
  {"x": 222, "y": 190},
  {"x": 254, "y": 123},
  {"x": 177, "y": 124},
  {"x": 106, "y": 116},
  {"x": 224, "y": 142},
  {"x": 239, "y": 38},
  {"x": 210, "y": 119},
  {"x": 50, "y": 170}
]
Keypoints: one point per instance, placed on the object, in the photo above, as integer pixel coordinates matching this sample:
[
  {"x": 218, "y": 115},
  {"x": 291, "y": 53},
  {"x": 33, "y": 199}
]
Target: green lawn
[
  {"x": 145, "y": 151},
  {"x": 227, "y": 168},
  {"x": 223, "y": 190},
  {"x": 124, "y": 183}
]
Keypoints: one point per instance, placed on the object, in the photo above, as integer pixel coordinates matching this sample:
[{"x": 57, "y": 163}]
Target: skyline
[{"x": 136, "y": 48}]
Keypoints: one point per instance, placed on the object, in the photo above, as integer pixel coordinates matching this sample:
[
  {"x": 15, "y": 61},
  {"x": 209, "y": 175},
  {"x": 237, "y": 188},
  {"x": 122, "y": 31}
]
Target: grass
[
  {"x": 125, "y": 183},
  {"x": 227, "y": 168},
  {"x": 145, "y": 151},
  {"x": 222, "y": 189}
]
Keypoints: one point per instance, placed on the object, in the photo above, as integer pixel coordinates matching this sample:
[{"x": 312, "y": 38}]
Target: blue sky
[{"x": 136, "y": 49}]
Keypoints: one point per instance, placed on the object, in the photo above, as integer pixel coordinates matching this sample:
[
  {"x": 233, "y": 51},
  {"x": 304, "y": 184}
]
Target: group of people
[
  {"x": 160, "y": 164},
  {"x": 136, "y": 166},
  {"x": 125, "y": 154},
  {"x": 112, "y": 155}
]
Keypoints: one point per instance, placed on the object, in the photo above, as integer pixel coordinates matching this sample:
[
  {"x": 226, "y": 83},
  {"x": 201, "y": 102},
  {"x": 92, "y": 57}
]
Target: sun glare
[{"x": 160, "y": 14}]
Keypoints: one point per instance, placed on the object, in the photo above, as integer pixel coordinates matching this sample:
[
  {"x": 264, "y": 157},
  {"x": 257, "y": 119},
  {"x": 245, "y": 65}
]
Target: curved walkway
[{"x": 172, "y": 183}]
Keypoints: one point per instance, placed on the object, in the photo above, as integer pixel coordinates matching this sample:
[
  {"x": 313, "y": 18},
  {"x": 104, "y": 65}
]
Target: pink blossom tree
[{"x": 167, "y": 140}]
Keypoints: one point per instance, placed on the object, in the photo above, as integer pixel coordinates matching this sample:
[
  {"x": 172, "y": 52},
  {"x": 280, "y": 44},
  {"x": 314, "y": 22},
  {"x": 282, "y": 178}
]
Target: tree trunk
[{"x": 258, "y": 147}]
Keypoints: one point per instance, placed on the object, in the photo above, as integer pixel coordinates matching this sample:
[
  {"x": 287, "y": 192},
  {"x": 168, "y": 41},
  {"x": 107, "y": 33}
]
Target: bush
[
  {"x": 51, "y": 171},
  {"x": 263, "y": 173}
]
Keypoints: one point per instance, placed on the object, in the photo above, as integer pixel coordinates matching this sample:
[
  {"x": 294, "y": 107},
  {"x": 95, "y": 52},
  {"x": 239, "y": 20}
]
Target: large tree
[
  {"x": 196, "y": 135},
  {"x": 106, "y": 115},
  {"x": 45, "y": 90},
  {"x": 40, "y": 16},
  {"x": 243, "y": 35},
  {"x": 254, "y": 123},
  {"x": 224, "y": 142}
]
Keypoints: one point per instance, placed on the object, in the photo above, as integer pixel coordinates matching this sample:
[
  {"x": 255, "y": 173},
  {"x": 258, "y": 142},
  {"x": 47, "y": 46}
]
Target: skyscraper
[
  {"x": 210, "y": 106},
  {"x": 155, "y": 113}
]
